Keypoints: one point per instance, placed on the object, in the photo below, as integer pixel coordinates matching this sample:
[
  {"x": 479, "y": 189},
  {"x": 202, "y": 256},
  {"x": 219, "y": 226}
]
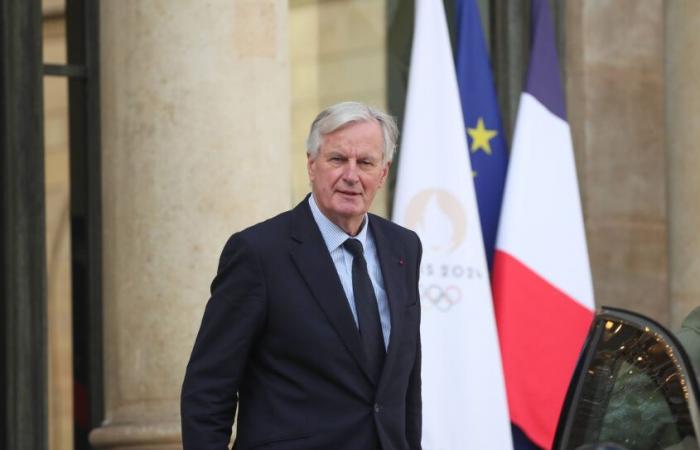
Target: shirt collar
[{"x": 333, "y": 235}]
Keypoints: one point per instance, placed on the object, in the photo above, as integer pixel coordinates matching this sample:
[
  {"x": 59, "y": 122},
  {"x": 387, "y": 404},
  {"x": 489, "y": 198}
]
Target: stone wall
[
  {"x": 337, "y": 53},
  {"x": 615, "y": 92},
  {"x": 682, "y": 47}
]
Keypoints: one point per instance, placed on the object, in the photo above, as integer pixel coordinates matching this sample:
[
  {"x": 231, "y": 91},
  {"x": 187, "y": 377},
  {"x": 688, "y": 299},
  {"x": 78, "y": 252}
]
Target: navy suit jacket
[{"x": 278, "y": 341}]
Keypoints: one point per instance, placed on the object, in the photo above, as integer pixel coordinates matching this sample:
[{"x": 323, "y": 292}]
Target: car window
[{"x": 632, "y": 389}]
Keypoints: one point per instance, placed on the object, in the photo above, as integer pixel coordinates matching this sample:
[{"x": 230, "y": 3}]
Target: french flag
[{"x": 541, "y": 281}]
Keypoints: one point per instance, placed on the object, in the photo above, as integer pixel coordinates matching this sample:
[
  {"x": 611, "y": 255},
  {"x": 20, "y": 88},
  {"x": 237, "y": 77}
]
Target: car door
[{"x": 633, "y": 388}]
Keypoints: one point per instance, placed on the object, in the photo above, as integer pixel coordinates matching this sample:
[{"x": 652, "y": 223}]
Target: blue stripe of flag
[{"x": 543, "y": 77}]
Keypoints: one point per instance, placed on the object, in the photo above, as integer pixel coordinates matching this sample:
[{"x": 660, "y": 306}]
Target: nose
[{"x": 350, "y": 174}]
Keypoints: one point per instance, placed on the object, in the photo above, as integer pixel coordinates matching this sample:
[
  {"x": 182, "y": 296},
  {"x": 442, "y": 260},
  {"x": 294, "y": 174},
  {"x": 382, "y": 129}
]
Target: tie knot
[{"x": 354, "y": 247}]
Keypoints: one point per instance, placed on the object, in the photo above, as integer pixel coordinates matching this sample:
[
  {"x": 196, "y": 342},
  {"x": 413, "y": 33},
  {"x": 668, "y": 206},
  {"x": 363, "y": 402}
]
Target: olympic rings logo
[{"x": 441, "y": 298}]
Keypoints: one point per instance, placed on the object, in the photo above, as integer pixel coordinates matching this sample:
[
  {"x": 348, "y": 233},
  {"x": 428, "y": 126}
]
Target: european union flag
[{"x": 482, "y": 120}]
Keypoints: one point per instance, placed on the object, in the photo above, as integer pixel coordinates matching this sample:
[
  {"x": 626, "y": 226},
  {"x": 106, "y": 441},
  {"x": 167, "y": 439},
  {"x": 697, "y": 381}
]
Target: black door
[{"x": 633, "y": 388}]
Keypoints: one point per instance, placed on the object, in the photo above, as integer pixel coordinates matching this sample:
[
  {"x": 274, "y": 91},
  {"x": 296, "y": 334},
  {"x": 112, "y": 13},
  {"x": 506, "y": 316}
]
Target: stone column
[
  {"x": 615, "y": 87},
  {"x": 683, "y": 143},
  {"x": 195, "y": 136}
]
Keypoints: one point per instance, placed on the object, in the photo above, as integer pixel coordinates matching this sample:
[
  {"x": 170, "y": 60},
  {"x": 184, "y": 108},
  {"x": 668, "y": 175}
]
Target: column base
[{"x": 150, "y": 436}]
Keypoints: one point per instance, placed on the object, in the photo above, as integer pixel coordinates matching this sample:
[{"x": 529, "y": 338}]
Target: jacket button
[{"x": 376, "y": 407}]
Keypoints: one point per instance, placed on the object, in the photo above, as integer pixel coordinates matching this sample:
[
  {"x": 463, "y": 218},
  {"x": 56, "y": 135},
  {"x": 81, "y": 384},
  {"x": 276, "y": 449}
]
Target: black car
[{"x": 634, "y": 388}]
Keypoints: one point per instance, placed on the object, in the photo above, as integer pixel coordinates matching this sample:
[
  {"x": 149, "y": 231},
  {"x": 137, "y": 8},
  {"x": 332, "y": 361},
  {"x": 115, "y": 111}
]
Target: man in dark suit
[{"x": 312, "y": 328}]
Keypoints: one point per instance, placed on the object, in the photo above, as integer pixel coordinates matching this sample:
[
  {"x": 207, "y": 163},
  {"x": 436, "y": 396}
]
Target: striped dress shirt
[{"x": 334, "y": 237}]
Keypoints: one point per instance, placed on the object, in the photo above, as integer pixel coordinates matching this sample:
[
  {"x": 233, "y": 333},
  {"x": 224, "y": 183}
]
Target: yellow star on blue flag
[{"x": 481, "y": 137}]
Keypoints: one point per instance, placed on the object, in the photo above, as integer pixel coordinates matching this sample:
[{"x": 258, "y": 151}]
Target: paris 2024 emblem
[{"x": 441, "y": 222}]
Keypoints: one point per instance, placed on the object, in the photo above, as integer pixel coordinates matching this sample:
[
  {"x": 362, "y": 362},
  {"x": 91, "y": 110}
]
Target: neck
[{"x": 351, "y": 227}]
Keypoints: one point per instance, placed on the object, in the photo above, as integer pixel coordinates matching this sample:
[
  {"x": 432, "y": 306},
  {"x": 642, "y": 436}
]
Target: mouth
[{"x": 349, "y": 193}]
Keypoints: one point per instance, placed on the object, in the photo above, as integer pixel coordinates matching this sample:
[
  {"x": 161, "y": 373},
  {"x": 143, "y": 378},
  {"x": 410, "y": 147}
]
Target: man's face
[{"x": 347, "y": 172}]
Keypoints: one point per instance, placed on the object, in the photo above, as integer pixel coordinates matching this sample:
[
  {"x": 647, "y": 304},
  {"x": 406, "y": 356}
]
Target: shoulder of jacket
[
  {"x": 263, "y": 234},
  {"x": 393, "y": 228}
]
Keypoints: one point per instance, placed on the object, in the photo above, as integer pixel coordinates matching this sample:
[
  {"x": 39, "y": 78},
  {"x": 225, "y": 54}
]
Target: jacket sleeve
[
  {"x": 414, "y": 403},
  {"x": 232, "y": 320}
]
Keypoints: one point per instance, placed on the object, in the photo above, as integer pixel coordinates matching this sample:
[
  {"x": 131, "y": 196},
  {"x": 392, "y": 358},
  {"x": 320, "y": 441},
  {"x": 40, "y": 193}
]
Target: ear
[
  {"x": 310, "y": 166},
  {"x": 385, "y": 172}
]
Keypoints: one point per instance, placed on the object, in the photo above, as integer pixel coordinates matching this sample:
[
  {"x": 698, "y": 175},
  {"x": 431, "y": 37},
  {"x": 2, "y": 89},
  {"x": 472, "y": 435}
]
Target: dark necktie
[{"x": 367, "y": 310}]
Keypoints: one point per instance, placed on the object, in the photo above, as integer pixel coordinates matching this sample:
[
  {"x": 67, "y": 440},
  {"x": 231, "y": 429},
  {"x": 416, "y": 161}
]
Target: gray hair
[{"x": 345, "y": 113}]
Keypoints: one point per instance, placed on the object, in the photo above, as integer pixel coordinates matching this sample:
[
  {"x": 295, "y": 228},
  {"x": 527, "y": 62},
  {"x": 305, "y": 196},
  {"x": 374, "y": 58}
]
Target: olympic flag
[
  {"x": 541, "y": 276},
  {"x": 464, "y": 403}
]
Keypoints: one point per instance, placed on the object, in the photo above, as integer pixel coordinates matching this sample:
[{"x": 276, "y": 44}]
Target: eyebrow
[{"x": 361, "y": 157}]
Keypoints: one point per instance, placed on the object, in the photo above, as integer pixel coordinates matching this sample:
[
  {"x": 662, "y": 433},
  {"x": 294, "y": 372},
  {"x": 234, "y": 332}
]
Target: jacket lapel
[
  {"x": 390, "y": 261},
  {"x": 316, "y": 267}
]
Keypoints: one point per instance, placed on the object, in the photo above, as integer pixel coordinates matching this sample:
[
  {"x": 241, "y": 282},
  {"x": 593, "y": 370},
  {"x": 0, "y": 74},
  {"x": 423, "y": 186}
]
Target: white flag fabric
[{"x": 464, "y": 402}]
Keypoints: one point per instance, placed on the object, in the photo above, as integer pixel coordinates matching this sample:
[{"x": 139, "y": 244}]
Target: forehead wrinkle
[{"x": 348, "y": 145}]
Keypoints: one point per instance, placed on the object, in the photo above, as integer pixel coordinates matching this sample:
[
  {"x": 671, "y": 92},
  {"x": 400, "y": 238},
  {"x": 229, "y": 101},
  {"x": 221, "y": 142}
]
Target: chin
[
  {"x": 349, "y": 212},
  {"x": 345, "y": 204}
]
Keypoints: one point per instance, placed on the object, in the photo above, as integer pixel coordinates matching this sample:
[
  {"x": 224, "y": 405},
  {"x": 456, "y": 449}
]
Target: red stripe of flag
[{"x": 541, "y": 331}]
